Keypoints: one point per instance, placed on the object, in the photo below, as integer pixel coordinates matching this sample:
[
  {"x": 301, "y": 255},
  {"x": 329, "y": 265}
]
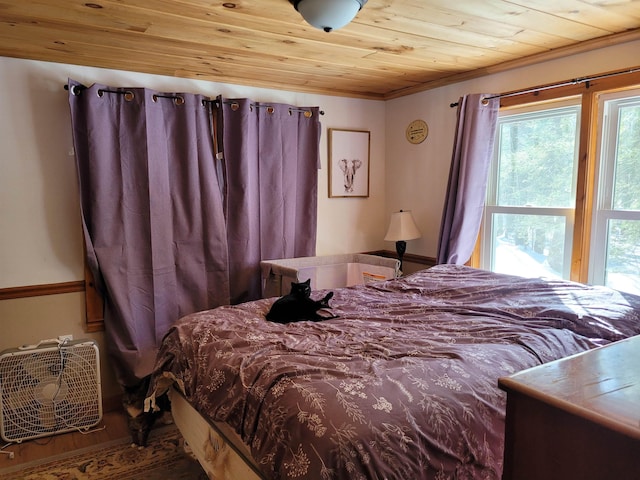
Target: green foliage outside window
[{"x": 537, "y": 161}]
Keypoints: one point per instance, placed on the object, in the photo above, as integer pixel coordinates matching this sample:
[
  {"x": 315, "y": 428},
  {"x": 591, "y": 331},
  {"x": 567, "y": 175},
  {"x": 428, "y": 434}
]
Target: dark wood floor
[{"x": 115, "y": 427}]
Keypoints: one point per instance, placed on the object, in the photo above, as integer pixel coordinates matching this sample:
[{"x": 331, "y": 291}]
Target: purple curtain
[
  {"x": 271, "y": 164},
  {"x": 152, "y": 214},
  {"x": 467, "y": 188}
]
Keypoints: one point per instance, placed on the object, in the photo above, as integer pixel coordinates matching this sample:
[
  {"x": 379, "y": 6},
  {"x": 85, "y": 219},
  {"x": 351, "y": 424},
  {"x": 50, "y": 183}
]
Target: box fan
[{"x": 49, "y": 388}]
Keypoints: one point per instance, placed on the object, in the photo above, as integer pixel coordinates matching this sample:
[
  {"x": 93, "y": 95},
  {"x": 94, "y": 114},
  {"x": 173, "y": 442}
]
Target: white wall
[{"x": 417, "y": 175}]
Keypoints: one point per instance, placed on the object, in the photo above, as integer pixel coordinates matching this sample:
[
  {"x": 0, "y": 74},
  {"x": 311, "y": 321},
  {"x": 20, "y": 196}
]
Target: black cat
[
  {"x": 139, "y": 421},
  {"x": 298, "y": 305}
]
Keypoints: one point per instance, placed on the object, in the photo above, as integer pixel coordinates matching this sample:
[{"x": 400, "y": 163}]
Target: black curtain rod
[
  {"x": 291, "y": 109},
  {"x": 575, "y": 81},
  {"x": 258, "y": 105},
  {"x": 179, "y": 99}
]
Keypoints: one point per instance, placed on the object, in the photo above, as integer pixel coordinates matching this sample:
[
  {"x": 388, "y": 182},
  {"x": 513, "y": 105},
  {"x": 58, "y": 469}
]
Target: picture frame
[{"x": 349, "y": 161}]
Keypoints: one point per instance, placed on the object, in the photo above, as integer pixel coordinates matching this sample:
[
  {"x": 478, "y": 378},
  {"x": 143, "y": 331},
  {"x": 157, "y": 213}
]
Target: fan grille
[{"x": 49, "y": 390}]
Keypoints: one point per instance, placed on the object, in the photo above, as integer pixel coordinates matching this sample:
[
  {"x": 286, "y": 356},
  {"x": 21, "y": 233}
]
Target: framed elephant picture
[{"x": 349, "y": 162}]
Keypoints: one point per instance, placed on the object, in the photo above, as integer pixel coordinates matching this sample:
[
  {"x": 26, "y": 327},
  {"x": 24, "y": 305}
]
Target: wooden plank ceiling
[{"x": 392, "y": 48}]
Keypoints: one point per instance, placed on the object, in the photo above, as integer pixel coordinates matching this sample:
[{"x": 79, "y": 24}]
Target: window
[
  {"x": 531, "y": 194},
  {"x": 615, "y": 256},
  {"x": 563, "y": 199}
]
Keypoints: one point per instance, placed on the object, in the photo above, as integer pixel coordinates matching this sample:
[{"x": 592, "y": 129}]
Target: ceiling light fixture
[{"x": 328, "y": 15}]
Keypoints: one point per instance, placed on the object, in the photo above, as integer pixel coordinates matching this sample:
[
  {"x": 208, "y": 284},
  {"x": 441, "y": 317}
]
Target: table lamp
[{"x": 402, "y": 227}]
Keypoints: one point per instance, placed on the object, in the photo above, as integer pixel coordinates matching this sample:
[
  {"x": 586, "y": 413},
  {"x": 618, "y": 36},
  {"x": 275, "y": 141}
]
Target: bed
[{"x": 403, "y": 385}]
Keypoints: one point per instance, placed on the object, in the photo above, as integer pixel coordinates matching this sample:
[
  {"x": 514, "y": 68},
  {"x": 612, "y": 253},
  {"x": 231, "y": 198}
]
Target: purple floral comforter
[{"x": 403, "y": 385}]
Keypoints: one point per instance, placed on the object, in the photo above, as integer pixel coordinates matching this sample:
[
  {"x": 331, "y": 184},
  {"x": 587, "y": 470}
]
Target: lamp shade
[
  {"x": 328, "y": 15},
  {"x": 402, "y": 227}
]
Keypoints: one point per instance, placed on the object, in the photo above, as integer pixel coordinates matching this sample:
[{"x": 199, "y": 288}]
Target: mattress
[{"x": 217, "y": 448}]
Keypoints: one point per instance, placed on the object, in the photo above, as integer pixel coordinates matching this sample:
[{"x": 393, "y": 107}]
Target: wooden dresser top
[{"x": 601, "y": 385}]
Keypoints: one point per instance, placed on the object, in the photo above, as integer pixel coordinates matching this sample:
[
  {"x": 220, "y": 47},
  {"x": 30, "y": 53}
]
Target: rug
[{"x": 163, "y": 459}]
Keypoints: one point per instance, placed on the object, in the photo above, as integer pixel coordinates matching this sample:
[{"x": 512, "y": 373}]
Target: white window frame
[
  {"x": 486, "y": 252},
  {"x": 603, "y": 211}
]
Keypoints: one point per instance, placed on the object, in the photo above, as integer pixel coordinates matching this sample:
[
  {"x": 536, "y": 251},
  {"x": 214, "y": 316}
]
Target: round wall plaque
[{"x": 417, "y": 131}]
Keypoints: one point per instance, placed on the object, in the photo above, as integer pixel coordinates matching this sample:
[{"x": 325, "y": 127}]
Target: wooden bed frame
[{"x": 218, "y": 449}]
